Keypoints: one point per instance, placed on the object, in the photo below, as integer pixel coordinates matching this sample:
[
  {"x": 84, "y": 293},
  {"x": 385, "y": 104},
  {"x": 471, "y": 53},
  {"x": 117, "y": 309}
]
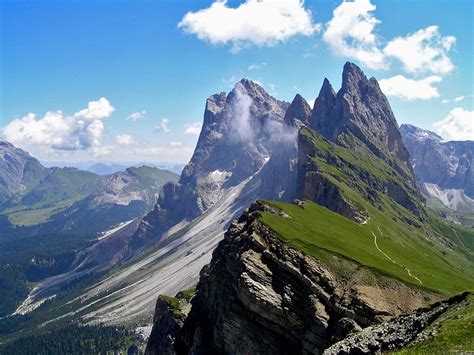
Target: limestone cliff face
[
  {"x": 262, "y": 296},
  {"x": 241, "y": 132}
]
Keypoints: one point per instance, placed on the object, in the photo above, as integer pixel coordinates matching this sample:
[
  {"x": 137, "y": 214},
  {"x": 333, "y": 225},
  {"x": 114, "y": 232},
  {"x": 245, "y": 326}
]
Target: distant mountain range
[
  {"x": 38, "y": 200},
  {"x": 444, "y": 169},
  {"x": 110, "y": 168}
]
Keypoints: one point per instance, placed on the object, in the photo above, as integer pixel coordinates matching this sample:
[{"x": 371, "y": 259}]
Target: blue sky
[{"x": 63, "y": 55}]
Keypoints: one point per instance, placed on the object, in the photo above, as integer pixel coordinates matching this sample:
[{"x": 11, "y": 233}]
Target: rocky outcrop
[
  {"x": 448, "y": 166},
  {"x": 394, "y": 334},
  {"x": 261, "y": 296},
  {"x": 170, "y": 314},
  {"x": 358, "y": 118}
]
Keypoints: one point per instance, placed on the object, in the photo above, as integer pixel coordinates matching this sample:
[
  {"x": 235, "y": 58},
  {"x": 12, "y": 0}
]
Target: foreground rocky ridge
[
  {"x": 260, "y": 295},
  {"x": 397, "y": 333}
]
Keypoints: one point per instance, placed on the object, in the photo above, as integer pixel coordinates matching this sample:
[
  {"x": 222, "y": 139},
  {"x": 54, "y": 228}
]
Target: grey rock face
[
  {"x": 298, "y": 113},
  {"x": 170, "y": 314},
  {"x": 361, "y": 109},
  {"x": 241, "y": 132},
  {"x": 449, "y": 165}
]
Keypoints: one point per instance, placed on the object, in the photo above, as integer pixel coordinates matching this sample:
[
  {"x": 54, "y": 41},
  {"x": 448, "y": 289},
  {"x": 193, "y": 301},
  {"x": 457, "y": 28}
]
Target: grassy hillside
[
  {"x": 317, "y": 230},
  {"x": 400, "y": 237},
  {"x": 66, "y": 197}
]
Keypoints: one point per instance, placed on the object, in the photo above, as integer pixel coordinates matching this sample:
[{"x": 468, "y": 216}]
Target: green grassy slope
[
  {"x": 315, "y": 230},
  {"x": 400, "y": 233}
]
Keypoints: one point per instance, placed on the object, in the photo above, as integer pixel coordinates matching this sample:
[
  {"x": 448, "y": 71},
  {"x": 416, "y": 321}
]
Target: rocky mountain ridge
[
  {"x": 37, "y": 200},
  {"x": 289, "y": 287}
]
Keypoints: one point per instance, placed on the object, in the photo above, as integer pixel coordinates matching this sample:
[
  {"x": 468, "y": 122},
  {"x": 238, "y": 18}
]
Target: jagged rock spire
[
  {"x": 323, "y": 106},
  {"x": 298, "y": 113},
  {"x": 361, "y": 109}
]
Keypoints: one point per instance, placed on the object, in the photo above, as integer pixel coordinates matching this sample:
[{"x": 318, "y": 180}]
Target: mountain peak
[
  {"x": 323, "y": 105},
  {"x": 298, "y": 113},
  {"x": 361, "y": 109},
  {"x": 353, "y": 79},
  {"x": 6, "y": 144},
  {"x": 249, "y": 85},
  {"x": 419, "y": 134}
]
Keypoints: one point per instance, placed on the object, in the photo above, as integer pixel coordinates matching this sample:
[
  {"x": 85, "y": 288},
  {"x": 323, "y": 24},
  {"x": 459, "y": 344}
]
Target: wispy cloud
[
  {"x": 163, "y": 125},
  {"x": 124, "y": 139},
  {"x": 136, "y": 116},
  {"x": 257, "y": 66}
]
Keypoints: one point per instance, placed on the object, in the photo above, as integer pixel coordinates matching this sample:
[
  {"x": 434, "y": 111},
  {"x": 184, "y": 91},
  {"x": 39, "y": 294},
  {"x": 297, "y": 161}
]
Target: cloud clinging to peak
[
  {"x": 254, "y": 22},
  {"x": 192, "y": 129}
]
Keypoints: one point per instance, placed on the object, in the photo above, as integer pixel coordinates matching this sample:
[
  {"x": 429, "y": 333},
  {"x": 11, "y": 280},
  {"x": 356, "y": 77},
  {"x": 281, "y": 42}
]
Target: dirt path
[{"x": 393, "y": 261}]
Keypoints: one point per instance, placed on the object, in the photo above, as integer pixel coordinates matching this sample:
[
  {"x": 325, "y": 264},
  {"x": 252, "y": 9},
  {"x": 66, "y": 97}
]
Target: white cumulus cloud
[
  {"x": 409, "y": 89},
  {"x": 423, "y": 51},
  {"x": 96, "y": 109},
  {"x": 136, "y": 116},
  {"x": 254, "y": 22},
  {"x": 163, "y": 125},
  {"x": 192, "y": 129},
  {"x": 459, "y": 98},
  {"x": 350, "y": 33},
  {"x": 445, "y": 101},
  {"x": 458, "y": 125},
  {"x": 124, "y": 139},
  {"x": 58, "y": 131}
]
